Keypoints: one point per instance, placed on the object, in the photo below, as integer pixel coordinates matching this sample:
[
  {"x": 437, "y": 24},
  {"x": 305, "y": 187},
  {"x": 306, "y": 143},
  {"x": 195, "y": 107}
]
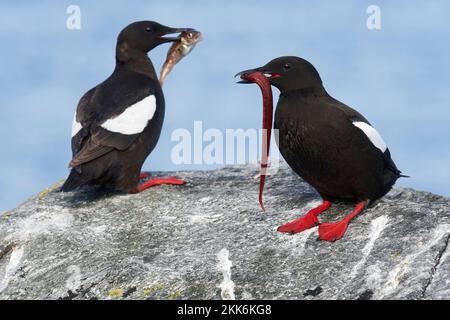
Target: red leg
[
  {"x": 335, "y": 230},
  {"x": 144, "y": 175},
  {"x": 309, "y": 220},
  {"x": 157, "y": 182}
]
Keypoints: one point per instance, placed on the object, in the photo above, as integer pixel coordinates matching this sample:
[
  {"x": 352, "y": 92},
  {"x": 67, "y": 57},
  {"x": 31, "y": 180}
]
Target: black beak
[
  {"x": 245, "y": 72},
  {"x": 168, "y": 30}
]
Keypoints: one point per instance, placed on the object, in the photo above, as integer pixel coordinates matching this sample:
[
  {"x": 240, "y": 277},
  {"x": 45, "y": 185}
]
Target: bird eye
[
  {"x": 287, "y": 66},
  {"x": 190, "y": 35},
  {"x": 148, "y": 29}
]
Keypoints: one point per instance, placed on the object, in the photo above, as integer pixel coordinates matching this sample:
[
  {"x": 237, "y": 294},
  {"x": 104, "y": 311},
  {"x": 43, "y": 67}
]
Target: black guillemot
[
  {"x": 327, "y": 143},
  {"x": 117, "y": 124}
]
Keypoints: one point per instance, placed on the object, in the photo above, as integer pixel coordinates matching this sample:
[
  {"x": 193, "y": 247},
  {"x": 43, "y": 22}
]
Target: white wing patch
[
  {"x": 134, "y": 119},
  {"x": 372, "y": 134},
  {"x": 76, "y": 126}
]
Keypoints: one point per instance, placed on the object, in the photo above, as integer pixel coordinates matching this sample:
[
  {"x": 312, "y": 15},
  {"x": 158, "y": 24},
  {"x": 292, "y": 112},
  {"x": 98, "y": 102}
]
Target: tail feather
[{"x": 73, "y": 181}]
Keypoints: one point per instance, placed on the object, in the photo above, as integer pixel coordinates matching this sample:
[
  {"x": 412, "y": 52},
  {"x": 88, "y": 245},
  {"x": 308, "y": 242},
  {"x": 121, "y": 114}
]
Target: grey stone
[{"x": 209, "y": 240}]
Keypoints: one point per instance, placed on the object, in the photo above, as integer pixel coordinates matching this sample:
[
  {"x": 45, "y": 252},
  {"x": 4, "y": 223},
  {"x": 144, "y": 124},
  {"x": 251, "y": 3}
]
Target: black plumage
[
  {"x": 322, "y": 141},
  {"x": 111, "y": 158},
  {"x": 318, "y": 140}
]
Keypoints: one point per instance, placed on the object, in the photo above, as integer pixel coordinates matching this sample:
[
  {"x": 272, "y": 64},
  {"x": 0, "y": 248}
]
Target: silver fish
[{"x": 178, "y": 50}]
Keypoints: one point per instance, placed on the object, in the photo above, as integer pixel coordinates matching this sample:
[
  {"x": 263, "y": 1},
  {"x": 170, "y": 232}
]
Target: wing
[
  {"x": 79, "y": 132},
  {"x": 112, "y": 115},
  {"x": 371, "y": 133}
]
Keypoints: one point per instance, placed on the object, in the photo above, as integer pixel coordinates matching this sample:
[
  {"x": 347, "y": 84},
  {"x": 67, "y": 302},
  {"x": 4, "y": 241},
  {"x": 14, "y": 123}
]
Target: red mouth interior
[{"x": 266, "y": 90}]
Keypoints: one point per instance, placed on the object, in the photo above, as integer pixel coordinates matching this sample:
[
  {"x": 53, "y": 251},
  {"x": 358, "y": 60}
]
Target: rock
[{"x": 209, "y": 240}]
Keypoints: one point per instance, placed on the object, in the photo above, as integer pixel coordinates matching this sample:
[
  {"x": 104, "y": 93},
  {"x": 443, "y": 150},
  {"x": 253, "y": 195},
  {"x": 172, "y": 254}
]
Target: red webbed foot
[
  {"x": 159, "y": 181},
  {"x": 332, "y": 231},
  {"x": 308, "y": 221}
]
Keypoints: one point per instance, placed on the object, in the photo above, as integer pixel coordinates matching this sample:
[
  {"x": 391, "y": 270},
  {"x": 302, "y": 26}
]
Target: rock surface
[{"x": 209, "y": 240}]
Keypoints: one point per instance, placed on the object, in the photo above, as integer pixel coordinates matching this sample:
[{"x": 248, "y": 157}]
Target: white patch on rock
[
  {"x": 98, "y": 229},
  {"x": 376, "y": 228},
  {"x": 73, "y": 282},
  {"x": 203, "y": 218},
  {"x": 76, "y": 126},
  {"x": 169, "y": 218},
  {"x": 12, "y": 266},
  {"x": 372, "y": 134},
  {"x": 199, "y": 218},
  {"x": 224, "y": 265},
  {"x": 205, "y": 200},
  {"x": 41, "y": 222},
  {"x": 374, "y": 277},
  {"x": 134, "y": 119}
]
